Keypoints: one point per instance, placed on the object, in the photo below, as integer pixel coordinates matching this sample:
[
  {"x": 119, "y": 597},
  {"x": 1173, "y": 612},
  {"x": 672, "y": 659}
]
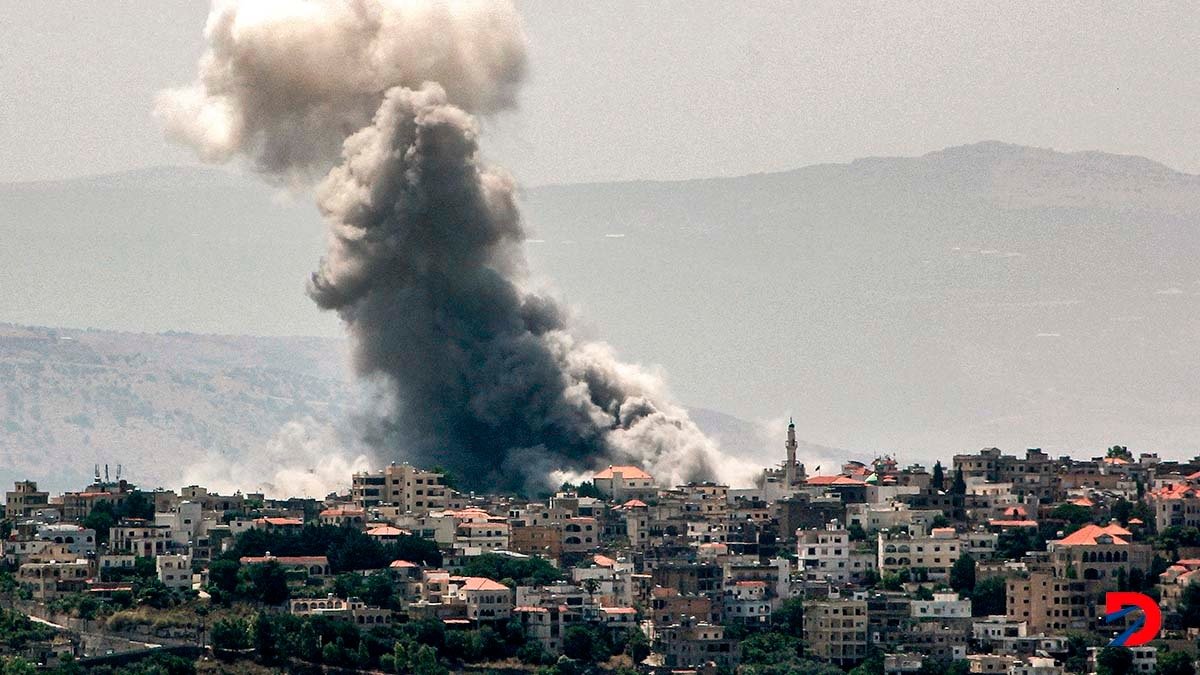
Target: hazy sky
[{"x": 676, "y": 89}]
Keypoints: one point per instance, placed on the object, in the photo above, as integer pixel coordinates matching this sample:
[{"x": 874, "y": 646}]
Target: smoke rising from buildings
[{"x": 480, "y": 372}]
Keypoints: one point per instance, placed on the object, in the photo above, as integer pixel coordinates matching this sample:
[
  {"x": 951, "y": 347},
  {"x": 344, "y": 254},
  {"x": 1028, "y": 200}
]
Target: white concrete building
[
  {"x": 942, "y": 606},
  {"x": 174, "y": 570},
  {"x": 746, "y": 602},
  {"x": 828, "y": 555},
  {"x": 935, "y": 553}
]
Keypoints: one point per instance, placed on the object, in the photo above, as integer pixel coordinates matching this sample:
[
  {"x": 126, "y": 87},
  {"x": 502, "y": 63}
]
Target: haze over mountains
[{"x": 981, "y": 295}]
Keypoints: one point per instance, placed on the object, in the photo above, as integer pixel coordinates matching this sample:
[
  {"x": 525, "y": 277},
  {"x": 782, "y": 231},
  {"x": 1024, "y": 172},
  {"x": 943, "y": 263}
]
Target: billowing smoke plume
[{"x": 425, "y": 263}]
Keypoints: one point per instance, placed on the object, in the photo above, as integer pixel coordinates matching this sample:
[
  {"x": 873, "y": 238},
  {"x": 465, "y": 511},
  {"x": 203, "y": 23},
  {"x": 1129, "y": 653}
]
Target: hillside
[
  {"x": 155, "y": 403},
  {"x": 230, "y": 411},
  {"x": 981, "y": 295}
]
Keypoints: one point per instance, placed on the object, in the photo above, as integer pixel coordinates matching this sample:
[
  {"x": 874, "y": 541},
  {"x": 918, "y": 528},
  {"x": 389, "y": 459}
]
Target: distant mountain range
[{"x": 981, "y": 295}]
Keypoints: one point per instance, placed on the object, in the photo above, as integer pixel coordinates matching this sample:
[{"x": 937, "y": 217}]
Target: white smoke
[
  {"x": 286, "y": 81},
  {"x": 425, "y": 263},
  {"x": 305, "y": 458}
]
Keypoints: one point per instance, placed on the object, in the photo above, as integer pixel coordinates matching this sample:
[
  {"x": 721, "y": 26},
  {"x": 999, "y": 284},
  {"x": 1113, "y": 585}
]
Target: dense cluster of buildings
[{"x": 876, "y": 553}]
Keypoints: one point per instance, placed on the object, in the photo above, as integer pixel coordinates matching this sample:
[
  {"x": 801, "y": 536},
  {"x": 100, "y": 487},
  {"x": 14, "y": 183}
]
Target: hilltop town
[{"x": 991, "y": 564}]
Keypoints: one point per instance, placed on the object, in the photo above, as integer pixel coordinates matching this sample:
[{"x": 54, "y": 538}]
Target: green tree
[
  {"x": 267, "y": 638},
  {"x": 1114, "y": 661},
  {"x": 264, "y": 582},
  {"x": 584, "y": 644},
  {"x": 531, "y": 653},
  {"x": 1119, "y": 452},
  {"x": 1015, "y": 542},
  {"x": 1078, "y": 643},
  {"x": 425, "y": 662},
  {"x": 988, "y": 597},
  {"x": 1189, "y": 606},
  {"x": 379, "y": 589},
  {"x": 16, "y": 666},
  {"x": 223, "y": 574},
  {"x": 933, "y": 666},
  {"x": 960, "y": 484},
  {"x": 1174, "y": 663},
  {"x": 789, "y": 618},
  {"x": 101, "y": 519},
  {"x": 770, "y": 647},
  {"x": 524, "y": 571},
  {"x": 962, "y": 575},
  {"x": 1076, "y": 516},
  {"x": 938, "y": 482},
  {"x": 154, "y": 593},
  {"x": 230, "y": 634},
  {"x": 308, "y": 643},
  {"x": 136, "y": 505},
  {"x": 1122, "y": 510}
]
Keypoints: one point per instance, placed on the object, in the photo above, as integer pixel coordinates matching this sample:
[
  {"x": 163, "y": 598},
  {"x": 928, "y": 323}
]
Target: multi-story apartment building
[
  {"x": 344, "y": 516},
  {"x": 543, "y": 540},
  {"x": 476, "y": 532},
  {"x": 669, "y": 606},
  {"x": 1047, "y": 602},
  {"x": 75, "y": 538},
  {"x": 51, "y": 580},
  {"x": 345, "y": 609},
  {"x": 141, "y": 538},
  {"x": 889, "y": 616},
  {"x": 185, "y": 520},
  {"x": 933, "y": 554},
  {"x": 874, "y": 517},
  {"x": 485, "y": 600},
  {"x": 828, "y": 555},
  {"x": 940, "y": 640},
  {"x": 836, "y": 631},
  {"x": 174, "y": 570},
  {"x": 692, "y": 643},
  {"x": 746, "y": 602},
  {"x": 942, "y": 606},
  {"x": 1033, "y": 475},
  {"x": 1102, "y": 554},
  {"x": 211, "y": 501},
  {"x": 1176, "y": 504},
  {"x": 402, "y": 485},
  {"x": 24, "y": 499},
  {"x": 621, "y": 483},
  {"x": 580, "y": 535}
]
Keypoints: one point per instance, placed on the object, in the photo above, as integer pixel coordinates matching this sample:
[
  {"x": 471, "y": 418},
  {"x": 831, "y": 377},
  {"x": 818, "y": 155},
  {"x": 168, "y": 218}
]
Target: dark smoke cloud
[{"x": 425, "y": 264}]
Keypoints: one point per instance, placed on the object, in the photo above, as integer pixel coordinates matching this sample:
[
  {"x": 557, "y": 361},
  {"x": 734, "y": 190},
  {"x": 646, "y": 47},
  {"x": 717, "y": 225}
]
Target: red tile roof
[
  {"x": 627, "y": 472},
  {"x": 1177, "y": 491},
  {"x": 285, "y": 560},
  {"x": 618, "y": 610},
  {"x": 387, "y": 531},
  {"x": 281, "y": 521},
  {"x": 342, "y": 512},
  {"x": 1086, "y": 535},
  {"x": 479, "y": 584},
  {"x": 833, "y": 480}
]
